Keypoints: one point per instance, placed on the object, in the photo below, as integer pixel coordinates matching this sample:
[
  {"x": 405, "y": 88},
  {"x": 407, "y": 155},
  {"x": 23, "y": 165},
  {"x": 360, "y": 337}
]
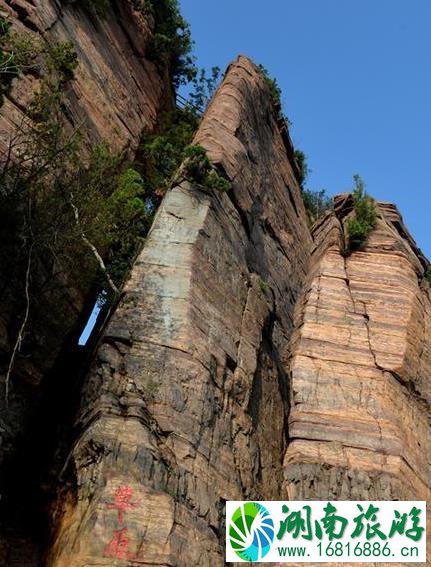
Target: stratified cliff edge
[
  {"x": 187, "y": 402},
  {"x": 361, "y": 368},
  {"x": 249, "y": 359},
  {"x": 116, "y": 93}
]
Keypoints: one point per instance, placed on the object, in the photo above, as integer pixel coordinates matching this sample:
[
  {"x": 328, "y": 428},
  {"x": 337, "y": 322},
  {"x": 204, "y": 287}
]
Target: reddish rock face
[
  {"x": 116, "y": 93},
  {"x": 186, "y": 404},
  {"x": 249, "y": 357},
  {"x": 360, "y": 368}
]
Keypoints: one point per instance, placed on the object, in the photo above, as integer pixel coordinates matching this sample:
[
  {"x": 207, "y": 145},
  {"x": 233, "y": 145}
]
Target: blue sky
[{"x": 356, "y": 84}]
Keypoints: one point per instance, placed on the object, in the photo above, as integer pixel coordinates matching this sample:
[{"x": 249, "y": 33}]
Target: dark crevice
[
  {"x": 30, "y": 475},
  {"x": 241, "y": 213}
]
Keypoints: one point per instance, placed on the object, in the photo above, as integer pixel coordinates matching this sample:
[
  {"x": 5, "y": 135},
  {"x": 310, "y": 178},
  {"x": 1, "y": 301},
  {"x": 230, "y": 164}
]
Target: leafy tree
[
  {"x": 171, "y": 43},
  {"x": 364, "y": 218},
  {"x": 161, "y": 153},
  {"x": 316, "y": 203},
  {"x": 204, "y": 87}
]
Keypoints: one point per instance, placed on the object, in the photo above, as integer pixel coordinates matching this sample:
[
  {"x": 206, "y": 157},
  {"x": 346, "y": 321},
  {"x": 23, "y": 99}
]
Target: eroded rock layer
[
  {"x": 115, "y": 94},
  {"x": 360, "y": 369},
  {"x": 187, "y": 402},
  {"x": 117, "y": 91}
]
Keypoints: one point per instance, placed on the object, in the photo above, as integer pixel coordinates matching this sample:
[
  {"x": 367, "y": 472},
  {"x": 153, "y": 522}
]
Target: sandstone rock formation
[
  {"x": 360, "y": 368},
  {"x": 187, "y": 402},
  {"x": 116, "y": 93},
  {"x": 249, "y": 358}
]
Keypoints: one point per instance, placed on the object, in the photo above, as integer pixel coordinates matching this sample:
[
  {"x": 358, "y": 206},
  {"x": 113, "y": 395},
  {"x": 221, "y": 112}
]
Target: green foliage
[
  {"x": 274, "y": 89},
  {"x": 62, "y": 60},
  {"x": 123, "y": 219},
  {"x": 428, "y": 274},
  {"x": 22, "y": 53},
  {"x": 54, "y": 201},
  {"x": 316, "y": 203},
  {"x": 263, "y": 285},
  {"x": 172, "y": 43},
  {"x": 365, "y": 215},
  {"x": 18, "y": 54},
  {"x": 204, "y": 87},
  {"x": 301, "y": 162},
  {"x": 161, "y": 153},
  {"x": 197, "y": 168},
  {"x": 197, "y": 164}
]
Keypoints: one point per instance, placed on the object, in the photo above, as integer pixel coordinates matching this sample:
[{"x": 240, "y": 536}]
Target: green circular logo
[{"x": 251, "y": 531}]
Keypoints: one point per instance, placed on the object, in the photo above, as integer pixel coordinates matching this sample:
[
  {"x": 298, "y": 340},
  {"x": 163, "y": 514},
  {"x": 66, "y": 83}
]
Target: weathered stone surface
[
  {"x": 248, "y": 358},
  {"x": 360, "y": 369},
  {"x": 187, "y": 401},
  {"x": 116, "y": 93}
]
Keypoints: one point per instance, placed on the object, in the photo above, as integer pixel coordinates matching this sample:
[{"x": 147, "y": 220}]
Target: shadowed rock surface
[{"x": 116, "y": 93}]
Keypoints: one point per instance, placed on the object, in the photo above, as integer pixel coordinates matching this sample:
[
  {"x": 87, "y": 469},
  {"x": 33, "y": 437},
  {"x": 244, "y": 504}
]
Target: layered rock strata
[
  {"x": 187, "y": 402},
  {"x": 361, "y": 367},
  {"x": 116, "y": 93}
]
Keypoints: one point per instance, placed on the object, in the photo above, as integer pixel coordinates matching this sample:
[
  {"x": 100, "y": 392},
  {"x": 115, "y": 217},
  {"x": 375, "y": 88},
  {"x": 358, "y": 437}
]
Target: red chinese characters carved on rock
[{"x": 118, "y": 547}]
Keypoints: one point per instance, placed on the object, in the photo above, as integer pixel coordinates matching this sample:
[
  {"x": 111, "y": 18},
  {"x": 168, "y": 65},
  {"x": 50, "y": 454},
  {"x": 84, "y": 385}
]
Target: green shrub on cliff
[
  {"x": 171, "y": 43},
  {"x": 197, "y": 168},
  {"x": 301, "y": 162},
  {"x": 22, "y": 53},
  {"x": 428, "y": 274},
  {"x": 86, "y": 217},
  {"x": 161, "y": 152},
  {"x": 274, "y": 89},
  {"x": 365, "y": 215},
  {"x": 18, "y": 53}
]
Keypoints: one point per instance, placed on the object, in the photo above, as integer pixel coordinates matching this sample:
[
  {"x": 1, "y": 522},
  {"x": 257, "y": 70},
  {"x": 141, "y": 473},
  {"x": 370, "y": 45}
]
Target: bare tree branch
[
  {"x": 92, "y": 247},
  {"x": 20, "y": 336}
]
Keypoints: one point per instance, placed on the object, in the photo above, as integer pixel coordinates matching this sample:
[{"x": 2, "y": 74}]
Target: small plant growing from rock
[
  {"x": 264, "y": 286},
  {"x": 274, "y": 89},
  {"x": 428, "y": 274},
  {"x": 365, "y": 215}
]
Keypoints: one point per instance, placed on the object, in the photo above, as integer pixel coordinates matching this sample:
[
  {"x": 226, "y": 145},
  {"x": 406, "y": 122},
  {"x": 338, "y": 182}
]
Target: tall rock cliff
[
  {"x": 187, "y": 402},
  {"x": 249, "y": 359},
  {"x": 361, "y": 368},
  {"x": 117, "y": 92}
]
